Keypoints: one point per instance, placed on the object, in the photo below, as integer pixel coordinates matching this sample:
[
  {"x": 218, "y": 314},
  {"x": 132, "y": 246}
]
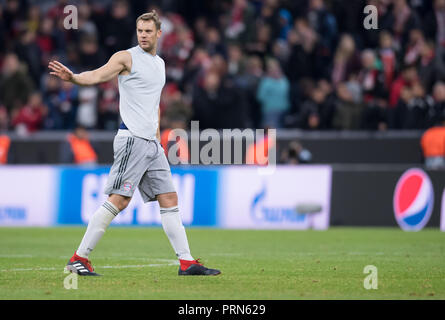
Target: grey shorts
[{"x": 138, "y": 163}]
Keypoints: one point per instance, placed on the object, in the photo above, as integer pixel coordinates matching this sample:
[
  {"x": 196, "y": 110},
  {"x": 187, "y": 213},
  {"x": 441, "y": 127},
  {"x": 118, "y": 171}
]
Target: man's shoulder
[
  {"x": 160, "y": 59},
  {"x": 126, "y": 54},
  {"x": 123, "y": 54}
]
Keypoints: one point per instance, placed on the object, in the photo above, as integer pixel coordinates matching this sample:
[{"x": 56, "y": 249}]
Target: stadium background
[
  {"x": 350, "y": 106},
  {"x": 332, "y": 73}
]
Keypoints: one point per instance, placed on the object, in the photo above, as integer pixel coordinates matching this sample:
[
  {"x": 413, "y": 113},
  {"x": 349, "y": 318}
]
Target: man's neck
[{"x": 152, "y": 51}]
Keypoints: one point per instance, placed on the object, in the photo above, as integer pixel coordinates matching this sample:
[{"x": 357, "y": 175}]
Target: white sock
[
  {"x": 96, "y": 228},
  {"x": 175, "y": 231}
]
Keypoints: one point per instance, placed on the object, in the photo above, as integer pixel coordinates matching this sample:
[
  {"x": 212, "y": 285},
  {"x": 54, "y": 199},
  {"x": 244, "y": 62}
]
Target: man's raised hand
[{"x": 59, "y": 70}]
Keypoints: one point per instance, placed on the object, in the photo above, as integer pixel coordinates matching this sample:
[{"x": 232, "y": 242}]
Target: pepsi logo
[{"x": 413, "y": 200}]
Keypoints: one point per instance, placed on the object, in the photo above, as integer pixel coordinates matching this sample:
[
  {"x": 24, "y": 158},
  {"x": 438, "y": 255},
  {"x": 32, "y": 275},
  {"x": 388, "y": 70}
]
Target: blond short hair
[{"x": 153, "y": 16}]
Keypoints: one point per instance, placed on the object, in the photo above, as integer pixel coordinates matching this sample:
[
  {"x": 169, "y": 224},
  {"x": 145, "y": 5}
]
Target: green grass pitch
[{"x": 138, "y": 263}]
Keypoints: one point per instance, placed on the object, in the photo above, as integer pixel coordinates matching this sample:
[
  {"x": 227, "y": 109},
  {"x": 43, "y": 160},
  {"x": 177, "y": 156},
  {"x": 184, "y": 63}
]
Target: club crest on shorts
[{"x": 127, "y": 186}]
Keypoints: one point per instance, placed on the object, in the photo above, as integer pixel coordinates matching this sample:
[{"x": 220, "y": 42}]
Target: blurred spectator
[
  {"x": 299, "y": 64},
  {"x": 199, "y": 30},
  {"x": 295, "y": 153},
  {"x": 317, "y": 110},
  {"x": 174, "y": 104},
  {"x": 108, "y": 105},
  {"x": 117, "y": 27},
  {"x": 62, "y": 38},
  {"x": 371, "y": 77},
  {"x": 235, "y": 60},
  {"x": 85, "y": 24},
  {"x": 388, "y": 57},
  {"x": 12, "y": 17},
  {"x": 325, "y": 24},
  {"x": 248, "y": 82},
  {"x": 413, "y": 108},
  {"x": 431, "y": 65},
  {"x": 349, "y": 106},
  {"x": 217, "y": 104},
  {"x": 313, "y": 48},
  {"x": 372, "y": 80},
  {"x": 213, "y": 43},
  {"x": 219, "y": 65},
  {"x": 91, "y": 55},
  {"x": 269, "y": 16},
  {"x": 281, "y": 52},
  {"x": 2, "y": 32},
  {"x": 194, "y": 69},
  {"x": 57, "y": 9},
  {"x": 285, "y": 23},
  {"x": 30, "y": 117},
  {"x": 176, "y": 49},
  {"x": 29, "y": 52},
  {"x": 401, "y": 19},
  {"x": 433, "y": 145},
  {"x": 407, "y": 78},
  {"x": 241, "y": 21},
  {"x": 33, "y": 18},
  {"x": 414, "y": 47},
  {"x": 51, "y": 87},
  {"x": 87, "y": 111},
  {"x": 328, "y": 109},
  {"x": 15, "y": 84},
  {"x": 310, "y": 110},
  {"x": 439, "y": 104},
  {"x": 73, "y": 58},
  {"x": 45, "y": 36},
  {"x": 346, "y": 60},
  {"x": 376, "y": 115},
  {"x": 349, "y": 15},
  {"x": 434, "y": 23},
  {"x": 273, "y": 95},
  {"x": 62, "y": 100},
  {"x": 205, "y": 101},
  {"x": 262, "y": 43},
  {"x": 78, "y": 148}
]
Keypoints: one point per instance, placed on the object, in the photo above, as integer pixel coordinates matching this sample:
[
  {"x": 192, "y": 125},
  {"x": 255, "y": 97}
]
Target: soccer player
[{"x": 139, "y": 159}]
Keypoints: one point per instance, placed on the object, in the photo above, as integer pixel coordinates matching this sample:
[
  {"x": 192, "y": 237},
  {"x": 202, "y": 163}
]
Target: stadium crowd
[{"x": 306, "y": 64}]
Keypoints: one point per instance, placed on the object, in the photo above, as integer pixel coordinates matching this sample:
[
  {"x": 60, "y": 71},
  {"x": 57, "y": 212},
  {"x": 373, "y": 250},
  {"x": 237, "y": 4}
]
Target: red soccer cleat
[
  {"x": 81, "y": 266},
  {"x": 194, "y": 268}
]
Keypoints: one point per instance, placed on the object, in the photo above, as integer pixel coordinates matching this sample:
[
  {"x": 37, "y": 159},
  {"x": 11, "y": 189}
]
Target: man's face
[{"x": 147, "y": 34}]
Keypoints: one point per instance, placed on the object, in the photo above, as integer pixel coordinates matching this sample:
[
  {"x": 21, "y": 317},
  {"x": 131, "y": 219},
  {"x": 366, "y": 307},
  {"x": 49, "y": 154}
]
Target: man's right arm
[{"x": 119, "y": 62}]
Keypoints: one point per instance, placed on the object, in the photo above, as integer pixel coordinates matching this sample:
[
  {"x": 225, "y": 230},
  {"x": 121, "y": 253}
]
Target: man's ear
[{"x": 159, "y": 33}]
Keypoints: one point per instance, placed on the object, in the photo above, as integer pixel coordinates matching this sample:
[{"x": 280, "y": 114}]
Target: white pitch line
[
  {"x": 16, "y": 256},
  {"x": 141, "y": 266},
  {"x": 171, "y": 263},
  {"x": 29, "y": 269}
]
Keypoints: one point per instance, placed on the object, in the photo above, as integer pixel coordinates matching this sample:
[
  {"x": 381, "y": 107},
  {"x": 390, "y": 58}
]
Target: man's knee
[
  {"x": 121, "y": 202},
  {"x": 167, "y": 200}
]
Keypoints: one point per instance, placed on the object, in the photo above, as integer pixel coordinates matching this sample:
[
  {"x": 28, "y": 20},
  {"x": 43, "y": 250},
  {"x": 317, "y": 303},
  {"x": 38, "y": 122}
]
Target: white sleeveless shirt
[{"x": 140, "y": 93}]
